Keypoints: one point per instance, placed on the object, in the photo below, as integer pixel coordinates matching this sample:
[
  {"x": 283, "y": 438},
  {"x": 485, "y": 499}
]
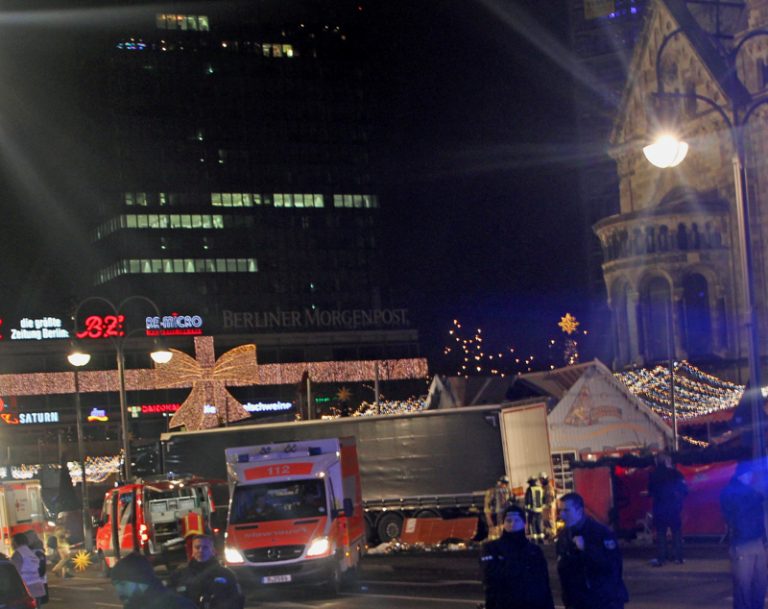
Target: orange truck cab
[
  {"x": 21, "y": 510},
  {"x": 153, "y": 517},
  {"x": 295, "y": 514}
]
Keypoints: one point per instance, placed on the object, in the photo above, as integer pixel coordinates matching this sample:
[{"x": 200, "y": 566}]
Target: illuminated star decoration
[
  {"x": 82, "y": 560},
  {"x": 344, "y": 394},
  {"x": 568, "y": 324},
  {"x": 208, "y": 377}
]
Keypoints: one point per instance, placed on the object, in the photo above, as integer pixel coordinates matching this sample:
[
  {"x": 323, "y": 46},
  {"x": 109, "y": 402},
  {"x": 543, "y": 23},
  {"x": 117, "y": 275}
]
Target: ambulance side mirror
[{"x": 349, "y": 507}]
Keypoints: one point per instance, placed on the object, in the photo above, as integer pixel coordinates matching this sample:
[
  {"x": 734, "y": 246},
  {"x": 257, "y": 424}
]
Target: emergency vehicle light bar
[{"x": 288, "y": 452}]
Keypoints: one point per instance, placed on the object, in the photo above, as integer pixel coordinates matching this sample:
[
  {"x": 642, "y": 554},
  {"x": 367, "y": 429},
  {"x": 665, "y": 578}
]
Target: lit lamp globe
[
  {"x": 666, "y": 151},
  {"x": 78, "y": 358},
  {"x": 161, "y": 356}
]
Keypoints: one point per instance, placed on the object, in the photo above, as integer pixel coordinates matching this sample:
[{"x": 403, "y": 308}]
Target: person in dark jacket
[
  {"x": 514, "y": 569},
  {"x": 589, "y": 562},
  {"x": 205, "y": 582},
  {"x": 139, "y": 588},
  {"x": 667, "y": 488},
  {"x": 742, "y": 508}
]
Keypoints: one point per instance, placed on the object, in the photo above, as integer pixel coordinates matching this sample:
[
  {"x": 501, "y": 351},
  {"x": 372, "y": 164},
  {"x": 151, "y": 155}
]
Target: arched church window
[
  {"x": 697, "y": 318},
  {"x": 655, "y": 312}
]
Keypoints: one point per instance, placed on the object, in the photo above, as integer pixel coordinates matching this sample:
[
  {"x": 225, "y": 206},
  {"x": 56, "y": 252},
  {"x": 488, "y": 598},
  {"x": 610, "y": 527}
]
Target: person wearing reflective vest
[{"x": 534, "y": 507}]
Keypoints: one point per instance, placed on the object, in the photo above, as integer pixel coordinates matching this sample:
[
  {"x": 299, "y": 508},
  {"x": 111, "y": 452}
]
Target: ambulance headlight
[
  {"x": 233, "y": 556},
  {"x": 320, "y": 546}
]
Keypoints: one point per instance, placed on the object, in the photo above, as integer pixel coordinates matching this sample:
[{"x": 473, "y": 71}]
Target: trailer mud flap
[{"x": 431, "y": 531}]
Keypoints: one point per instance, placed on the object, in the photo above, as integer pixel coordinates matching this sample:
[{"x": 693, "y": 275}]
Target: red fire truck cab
[{"x": 153, "y": 517}]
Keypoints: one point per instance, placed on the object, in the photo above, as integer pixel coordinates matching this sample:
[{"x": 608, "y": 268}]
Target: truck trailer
[{"x": 430, "y": 464}]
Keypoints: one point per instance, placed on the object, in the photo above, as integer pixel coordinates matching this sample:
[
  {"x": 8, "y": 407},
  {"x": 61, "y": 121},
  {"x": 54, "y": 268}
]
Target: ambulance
[
  {"x": 155, "y": 517},
  {"x": 295, "y": 513},
  {"x": 21, "y": 510}
]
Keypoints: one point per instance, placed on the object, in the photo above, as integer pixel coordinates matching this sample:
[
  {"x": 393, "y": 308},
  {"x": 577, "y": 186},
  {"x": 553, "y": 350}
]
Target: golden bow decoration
[{"x": 208, "y": 380}]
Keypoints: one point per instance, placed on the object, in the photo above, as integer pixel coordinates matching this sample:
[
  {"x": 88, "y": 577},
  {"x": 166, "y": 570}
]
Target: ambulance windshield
[{"x": 278, "y": 501}]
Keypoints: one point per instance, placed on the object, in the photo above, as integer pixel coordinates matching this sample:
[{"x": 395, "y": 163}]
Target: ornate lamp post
[
  {"x": 669, "y": 151},
  {"x": 117, "y": 337},
  {"x": 79, "y": 359}
]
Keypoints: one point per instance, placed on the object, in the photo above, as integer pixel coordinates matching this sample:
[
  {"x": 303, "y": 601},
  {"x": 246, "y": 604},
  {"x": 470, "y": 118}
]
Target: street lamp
[
  {"x": 117, "y": 336},
  {"x": 669, "y": 150},
  {"x": 79, "y": 359}
]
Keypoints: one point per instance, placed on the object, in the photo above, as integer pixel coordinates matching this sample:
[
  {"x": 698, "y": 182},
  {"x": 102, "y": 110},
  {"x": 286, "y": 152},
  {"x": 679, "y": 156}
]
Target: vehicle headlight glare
[
  {"x": 320, "y": 546},
  {"x": 233, "y": 556}
]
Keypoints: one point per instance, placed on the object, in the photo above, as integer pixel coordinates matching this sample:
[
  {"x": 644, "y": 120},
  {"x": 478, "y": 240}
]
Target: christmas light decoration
[
  {"x": 82, "y": 560},
  {"x": 208, "y": 378},
  {"x": 477, "y": 359},
  {"x": 568, "y": 324},
  {"x": 696, "y": 392},
  {"x": 236, "y": 368}
]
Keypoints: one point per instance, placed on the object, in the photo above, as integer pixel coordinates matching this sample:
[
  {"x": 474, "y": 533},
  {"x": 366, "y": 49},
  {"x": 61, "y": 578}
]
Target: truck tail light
[{"x": 143, "y": 536}]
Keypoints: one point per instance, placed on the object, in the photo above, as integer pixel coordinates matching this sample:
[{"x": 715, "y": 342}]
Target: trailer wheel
[
  {"x": 427, "y": 514},
  {"x": 389, "y": 527}
]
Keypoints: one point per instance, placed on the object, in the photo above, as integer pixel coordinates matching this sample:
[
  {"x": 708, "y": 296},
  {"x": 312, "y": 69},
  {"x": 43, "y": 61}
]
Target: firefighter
[
  {"x": 534, "y": 507},
  {"x": 205, "y": 581},
  {"x": 192, "y": 524},
  {"x": 550, "y": 506},
  {"x": 497, "y": 499}
]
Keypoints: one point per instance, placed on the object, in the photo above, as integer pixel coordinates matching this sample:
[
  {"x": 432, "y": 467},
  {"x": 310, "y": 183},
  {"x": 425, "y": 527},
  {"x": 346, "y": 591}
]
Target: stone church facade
[{"x": 671, "y": 257}]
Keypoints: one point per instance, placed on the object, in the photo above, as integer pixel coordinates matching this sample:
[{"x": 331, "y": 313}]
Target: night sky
[
  {"x": 473, "y": 148},
  {"x": 483, "y": 220}
]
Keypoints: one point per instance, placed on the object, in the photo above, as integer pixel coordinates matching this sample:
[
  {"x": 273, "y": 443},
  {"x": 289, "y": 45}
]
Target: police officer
[
  {"x": 667, "y": 487},
  {"x": 534, "y": 507},
  {"x": 589, "y": 563},
  {"x": 515, "y": 570},
  {"x": 139, "y": 588},
  {"x": 204, "y": 581},
  {"x": 742, "y": 507}
]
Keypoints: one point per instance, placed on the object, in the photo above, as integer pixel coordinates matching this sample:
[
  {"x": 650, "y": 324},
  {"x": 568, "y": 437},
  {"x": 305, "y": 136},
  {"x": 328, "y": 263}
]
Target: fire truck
[
  {"x": 154, "y": 517},
  {"x": 21, "y": 510},
  {"x": 296, "y": 513}
]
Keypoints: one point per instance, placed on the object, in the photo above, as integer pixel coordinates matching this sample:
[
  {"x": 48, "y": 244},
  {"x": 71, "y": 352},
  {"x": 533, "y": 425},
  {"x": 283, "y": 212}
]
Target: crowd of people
[
  {"x": 589, "y": 562},
  {"x": 204, "y": 583}
]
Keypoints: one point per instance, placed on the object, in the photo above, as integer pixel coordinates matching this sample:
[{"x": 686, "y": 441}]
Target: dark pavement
[{"x": 440, "y": 580}]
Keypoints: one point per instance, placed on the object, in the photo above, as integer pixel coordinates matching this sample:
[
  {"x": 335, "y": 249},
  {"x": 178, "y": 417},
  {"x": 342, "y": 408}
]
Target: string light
[
  {"x": 696, "y": 392},
  {"x": 477, "y": 359}
]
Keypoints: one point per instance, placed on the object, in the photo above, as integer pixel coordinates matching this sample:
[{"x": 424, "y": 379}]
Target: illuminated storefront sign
[
  {"x": 103, "y": 326},
  {"x": 257, "y": 407},
  {"x": 43, "y": 328},
  {"x": 267, "y": 406},
  {"x": 174, "y": 325},
  {"x": 164, "y": 409},
  {"x": 98, "y": 414},
  {"x": 346, "y": 319},
  {"x": 25, "y": 418}
]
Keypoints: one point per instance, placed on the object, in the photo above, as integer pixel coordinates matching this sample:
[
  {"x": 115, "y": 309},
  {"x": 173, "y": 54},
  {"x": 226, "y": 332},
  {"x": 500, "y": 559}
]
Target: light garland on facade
[
  {"x": 210, "y": 404},
  {"x": 696, "y": 392},
  {"x": 386, "y": 407},
  {"x": 97, "y": 469}
]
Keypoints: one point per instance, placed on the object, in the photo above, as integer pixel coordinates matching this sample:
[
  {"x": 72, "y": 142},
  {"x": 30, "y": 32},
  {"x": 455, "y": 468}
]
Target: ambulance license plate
[{"x": 275, "y": 579}]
